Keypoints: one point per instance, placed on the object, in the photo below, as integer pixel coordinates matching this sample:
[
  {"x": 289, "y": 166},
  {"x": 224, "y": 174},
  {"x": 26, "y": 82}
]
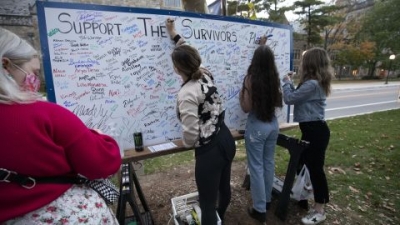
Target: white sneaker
[{"x": 314, "y": 217}]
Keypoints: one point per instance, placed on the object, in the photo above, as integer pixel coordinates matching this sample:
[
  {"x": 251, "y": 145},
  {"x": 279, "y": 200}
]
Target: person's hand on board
[{"x": 170, "y": 24}]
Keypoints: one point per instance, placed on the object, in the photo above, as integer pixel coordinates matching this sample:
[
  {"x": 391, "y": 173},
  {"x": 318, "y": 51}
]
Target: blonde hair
[
  {"x": 18, "y": 51},
  {"x": 316, "y": 65}
]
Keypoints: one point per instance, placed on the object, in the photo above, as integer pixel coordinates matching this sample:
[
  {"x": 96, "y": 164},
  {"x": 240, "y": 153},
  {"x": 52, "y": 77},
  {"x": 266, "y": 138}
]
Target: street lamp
[{"x": 391, "y": 58}]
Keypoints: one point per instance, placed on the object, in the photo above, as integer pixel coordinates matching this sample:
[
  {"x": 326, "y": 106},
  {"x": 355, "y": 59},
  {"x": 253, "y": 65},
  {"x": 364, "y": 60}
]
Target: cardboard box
[{"x": 182, "y": 205}]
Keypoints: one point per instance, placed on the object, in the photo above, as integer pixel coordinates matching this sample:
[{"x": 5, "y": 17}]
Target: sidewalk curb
[{"x": 356, "y": 87}]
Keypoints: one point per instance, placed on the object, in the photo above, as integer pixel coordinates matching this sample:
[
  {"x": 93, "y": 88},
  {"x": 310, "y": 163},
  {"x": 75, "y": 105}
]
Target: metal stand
[{"x": 127, "y": 195}]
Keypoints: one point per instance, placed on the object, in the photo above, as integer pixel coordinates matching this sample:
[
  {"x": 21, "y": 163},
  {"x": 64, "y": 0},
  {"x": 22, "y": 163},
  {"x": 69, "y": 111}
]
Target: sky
[{"x": 289, "y": 15}]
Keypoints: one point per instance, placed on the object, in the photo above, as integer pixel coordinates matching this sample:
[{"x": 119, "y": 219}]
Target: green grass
[{"x": 362, "y": 167}]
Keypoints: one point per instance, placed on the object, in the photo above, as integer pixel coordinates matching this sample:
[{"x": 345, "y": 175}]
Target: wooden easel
[
  {"x": 295, "y": 148},
  {"x": 128, "y": 184}
]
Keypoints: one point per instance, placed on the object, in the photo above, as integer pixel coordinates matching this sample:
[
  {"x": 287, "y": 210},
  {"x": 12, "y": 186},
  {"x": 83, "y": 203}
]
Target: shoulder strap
[{"x": 30, "y": 182}]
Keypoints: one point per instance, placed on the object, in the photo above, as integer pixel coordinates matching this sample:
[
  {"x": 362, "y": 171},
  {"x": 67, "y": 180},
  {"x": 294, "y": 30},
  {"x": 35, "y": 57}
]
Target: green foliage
[
  {"x": 232, "y": 8},
  {"x": 249, "y": 8},
  {"x": 315, "y": 18},
  {"x": 244, "y": 8},
  {"x": 271, "y": 5},
  {"x": 381, "y": 26},
  {"x": 276, "y": 14},
  {"x": 354, "y": 54}
]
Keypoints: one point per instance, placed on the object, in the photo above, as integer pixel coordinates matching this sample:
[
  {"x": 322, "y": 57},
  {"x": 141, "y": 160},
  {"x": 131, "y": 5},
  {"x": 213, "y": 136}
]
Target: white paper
[{"x": 161, "y": 147}]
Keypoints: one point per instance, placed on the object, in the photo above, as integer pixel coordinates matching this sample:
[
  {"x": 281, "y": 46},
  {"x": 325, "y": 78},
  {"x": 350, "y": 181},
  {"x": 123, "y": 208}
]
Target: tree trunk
[
  {"x": 199, "y": 6},
  {"x": 309, "y": 27},
  {"x": 371, "y": 68}
]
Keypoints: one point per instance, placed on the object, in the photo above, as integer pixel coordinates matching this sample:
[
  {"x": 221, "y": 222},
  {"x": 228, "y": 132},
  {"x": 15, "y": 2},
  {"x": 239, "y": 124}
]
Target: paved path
[{"x": 363, "y": 84}]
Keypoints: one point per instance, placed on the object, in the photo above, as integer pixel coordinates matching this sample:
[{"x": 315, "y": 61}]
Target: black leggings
[
  {"x": 318, "y": 134},
  {"x": 213, "y": 175}
]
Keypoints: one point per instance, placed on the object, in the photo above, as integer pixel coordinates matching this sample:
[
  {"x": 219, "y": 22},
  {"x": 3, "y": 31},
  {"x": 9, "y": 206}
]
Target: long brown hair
[
  {"x": 187, "y": 60},
  {"x": 266, "y": 92},
  {"x": 316, "y": 65}
]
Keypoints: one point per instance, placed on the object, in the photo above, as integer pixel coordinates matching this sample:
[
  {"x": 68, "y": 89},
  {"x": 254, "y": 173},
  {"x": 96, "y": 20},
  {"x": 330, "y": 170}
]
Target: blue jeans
[{"x": 260, "y": 141}]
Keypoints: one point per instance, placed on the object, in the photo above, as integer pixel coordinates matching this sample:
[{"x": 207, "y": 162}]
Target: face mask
[{"x": 31, "y": 82}]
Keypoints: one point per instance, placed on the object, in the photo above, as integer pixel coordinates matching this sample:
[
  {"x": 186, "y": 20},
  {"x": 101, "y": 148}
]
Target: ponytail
[{"x": 197, "y": 74}]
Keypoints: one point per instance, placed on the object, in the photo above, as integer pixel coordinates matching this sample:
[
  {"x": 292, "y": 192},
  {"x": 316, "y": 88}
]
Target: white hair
[{"x": 19, "y": 52}]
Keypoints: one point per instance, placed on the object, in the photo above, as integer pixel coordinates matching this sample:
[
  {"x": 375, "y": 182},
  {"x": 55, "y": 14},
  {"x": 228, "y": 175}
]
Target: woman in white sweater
[{"x": 201, "y": 112}]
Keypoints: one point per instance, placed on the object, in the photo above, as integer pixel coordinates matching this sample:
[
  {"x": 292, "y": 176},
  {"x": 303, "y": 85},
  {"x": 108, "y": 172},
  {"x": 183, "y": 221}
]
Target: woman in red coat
[{"x": 43, "y": 139}]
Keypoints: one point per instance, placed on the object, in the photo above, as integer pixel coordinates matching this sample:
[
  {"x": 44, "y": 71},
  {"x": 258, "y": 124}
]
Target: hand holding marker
[{"x": 263, "y": 39}]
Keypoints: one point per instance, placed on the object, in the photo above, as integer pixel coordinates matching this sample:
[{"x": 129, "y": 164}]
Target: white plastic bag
[{"x": 302, "y": 187}]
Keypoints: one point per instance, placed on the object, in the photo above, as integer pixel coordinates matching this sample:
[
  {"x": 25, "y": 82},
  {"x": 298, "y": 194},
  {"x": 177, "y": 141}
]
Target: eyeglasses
[
  {"x": 25, "y": 59},
  {"x": 22, "y": 70},
  {"x": 36, "y": 72}
]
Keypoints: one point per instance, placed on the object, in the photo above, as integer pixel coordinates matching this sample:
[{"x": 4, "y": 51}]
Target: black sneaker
[{"x": 261, "y": 217}]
